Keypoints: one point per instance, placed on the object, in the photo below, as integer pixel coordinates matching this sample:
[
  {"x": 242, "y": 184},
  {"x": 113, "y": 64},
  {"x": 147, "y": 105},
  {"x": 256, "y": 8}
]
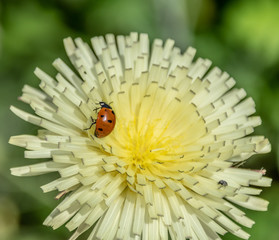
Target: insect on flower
[
  {"x": 223, "y": 183},
  {"x": 105, "y": 121}
]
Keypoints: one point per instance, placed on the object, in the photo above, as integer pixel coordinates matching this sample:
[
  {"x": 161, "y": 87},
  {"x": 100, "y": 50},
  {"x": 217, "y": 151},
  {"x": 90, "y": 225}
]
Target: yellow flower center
[
  {"x": 157, "y": 127},
  {"x": 159, "y": 145}
]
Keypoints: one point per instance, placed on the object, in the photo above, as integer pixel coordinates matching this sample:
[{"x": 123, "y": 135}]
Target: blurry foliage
[
  {"x": 120, "y": 17},
  {"x": 254, "y": 26},
  {"x": 31, "y": 34},
  {"x": 9, "y": 216},
  {"x": 241, "y": 37}
]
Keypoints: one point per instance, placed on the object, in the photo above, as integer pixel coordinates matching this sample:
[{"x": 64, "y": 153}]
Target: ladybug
[{"x": 105, "y": 121}]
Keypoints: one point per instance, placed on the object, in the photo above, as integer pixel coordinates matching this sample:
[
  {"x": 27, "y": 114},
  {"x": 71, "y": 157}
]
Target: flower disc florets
[{"x": 170, "y": 164}]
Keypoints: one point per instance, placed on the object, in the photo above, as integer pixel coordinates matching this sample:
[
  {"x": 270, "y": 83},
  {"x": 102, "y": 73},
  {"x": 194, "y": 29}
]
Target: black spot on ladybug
[
  {"x": 100, "y": 129},
  {"x": 102, "y": 116},
  {"x": 112, "y": 112},
  {"x": 109, "y": 121}
]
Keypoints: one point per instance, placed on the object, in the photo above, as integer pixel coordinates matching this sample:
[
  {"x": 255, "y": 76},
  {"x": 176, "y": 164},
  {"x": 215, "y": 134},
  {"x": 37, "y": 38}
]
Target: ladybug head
[{"x": 104, "y": 105}]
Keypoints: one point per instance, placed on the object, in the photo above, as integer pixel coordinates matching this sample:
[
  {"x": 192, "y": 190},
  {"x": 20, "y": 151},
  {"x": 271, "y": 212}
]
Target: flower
[{"x": 170, "y": 165}]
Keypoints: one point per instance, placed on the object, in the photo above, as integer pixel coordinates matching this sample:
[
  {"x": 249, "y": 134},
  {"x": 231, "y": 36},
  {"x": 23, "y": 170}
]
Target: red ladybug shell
[{"x": 105, "y": 121}]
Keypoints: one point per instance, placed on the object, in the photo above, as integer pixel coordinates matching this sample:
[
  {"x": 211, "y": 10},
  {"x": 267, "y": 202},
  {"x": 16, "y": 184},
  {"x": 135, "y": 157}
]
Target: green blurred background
[{"x": 241, "y": 37}]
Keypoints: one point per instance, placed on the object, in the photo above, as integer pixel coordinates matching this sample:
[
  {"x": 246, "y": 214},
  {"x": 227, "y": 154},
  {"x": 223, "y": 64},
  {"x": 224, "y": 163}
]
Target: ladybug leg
[
  {"x": 96, "y": 109},
  {"x": 93, "y": 122}
]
